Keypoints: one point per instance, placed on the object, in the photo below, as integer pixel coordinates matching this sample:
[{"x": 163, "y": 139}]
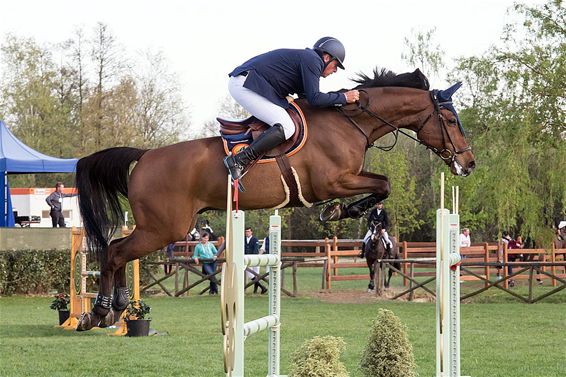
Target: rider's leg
[
  {"x": 387, "y": 242},
  {"x": 364, "y": 244},
  {"x": 282, "y": 126}
]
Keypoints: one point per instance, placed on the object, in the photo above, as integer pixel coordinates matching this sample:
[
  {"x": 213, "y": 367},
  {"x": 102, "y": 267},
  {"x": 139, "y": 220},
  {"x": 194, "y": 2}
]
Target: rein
[{"x": 444, "y": 153}]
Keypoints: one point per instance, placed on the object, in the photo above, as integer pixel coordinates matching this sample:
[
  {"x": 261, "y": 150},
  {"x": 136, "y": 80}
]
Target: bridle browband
[{"x": 445, "y": 154}]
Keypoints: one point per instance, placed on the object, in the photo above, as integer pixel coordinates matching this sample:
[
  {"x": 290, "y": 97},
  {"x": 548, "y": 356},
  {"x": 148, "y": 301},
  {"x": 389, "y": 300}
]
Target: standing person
[
  {"x": 514, "y": 244},
  {"x": 55, "y": 202},
  {"x": 167, "y": 266},
  {"x": 465, "y": 240},
  {"x": 252, "y": 247},
  {"x": 505, "y": 239},
  {"x": 206, "y": 250},
  {"x": 378, "y": 216},
  {"x": 261, "y": 86}
]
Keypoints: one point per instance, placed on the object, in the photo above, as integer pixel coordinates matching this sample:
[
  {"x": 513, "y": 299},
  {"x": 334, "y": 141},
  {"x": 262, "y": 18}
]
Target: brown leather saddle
[{"x": 236, "y": 134}]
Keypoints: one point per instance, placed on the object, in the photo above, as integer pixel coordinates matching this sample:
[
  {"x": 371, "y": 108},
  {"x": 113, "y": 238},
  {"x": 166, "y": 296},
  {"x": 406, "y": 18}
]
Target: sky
[{"x": 204, "y": 40}]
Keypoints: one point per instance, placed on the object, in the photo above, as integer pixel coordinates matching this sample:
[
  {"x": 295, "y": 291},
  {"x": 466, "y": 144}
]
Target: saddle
[{"x": 239, "y": 134}]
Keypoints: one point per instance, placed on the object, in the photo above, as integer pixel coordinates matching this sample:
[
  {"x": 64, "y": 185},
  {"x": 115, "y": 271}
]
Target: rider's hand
[
  {"x": 382, "y": 231},
  {"x": 352, "y": 96}
]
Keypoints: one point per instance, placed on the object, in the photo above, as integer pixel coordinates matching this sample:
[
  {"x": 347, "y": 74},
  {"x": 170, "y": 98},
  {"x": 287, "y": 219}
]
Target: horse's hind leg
[
  {"x": 120, "y": 252},
  {"x": 102, "y": 314}
]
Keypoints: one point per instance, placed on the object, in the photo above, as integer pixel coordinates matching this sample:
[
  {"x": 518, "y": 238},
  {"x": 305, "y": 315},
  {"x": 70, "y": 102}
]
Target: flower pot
[
  {"x": 138, "y": 327},
  {"x": 63, "y": 316}
]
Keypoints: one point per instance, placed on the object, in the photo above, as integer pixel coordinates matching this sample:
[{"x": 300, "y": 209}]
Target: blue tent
[{"x": 18, "y": 158}]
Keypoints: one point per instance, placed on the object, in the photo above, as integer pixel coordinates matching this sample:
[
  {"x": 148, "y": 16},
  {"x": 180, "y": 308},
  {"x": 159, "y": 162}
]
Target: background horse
[
  {"x": 375, "y": 250},
  {"x": 169, "y": 186}
]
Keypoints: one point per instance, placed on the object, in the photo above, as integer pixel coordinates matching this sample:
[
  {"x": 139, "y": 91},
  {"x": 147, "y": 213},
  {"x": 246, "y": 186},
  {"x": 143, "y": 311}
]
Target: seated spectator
[{"x": 206, "y": 250}]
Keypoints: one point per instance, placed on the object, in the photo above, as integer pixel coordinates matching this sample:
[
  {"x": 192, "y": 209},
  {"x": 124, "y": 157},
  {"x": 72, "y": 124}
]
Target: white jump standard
[{"x": 232, "y": 294}]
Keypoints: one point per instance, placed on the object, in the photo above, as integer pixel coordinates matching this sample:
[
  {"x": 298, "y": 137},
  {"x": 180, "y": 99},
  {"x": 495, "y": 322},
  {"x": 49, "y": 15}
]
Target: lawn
[{"x": 500, "y": 337}]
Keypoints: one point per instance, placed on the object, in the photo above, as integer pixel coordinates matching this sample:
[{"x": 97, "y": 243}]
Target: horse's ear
[{"x": 448, "y": 93}]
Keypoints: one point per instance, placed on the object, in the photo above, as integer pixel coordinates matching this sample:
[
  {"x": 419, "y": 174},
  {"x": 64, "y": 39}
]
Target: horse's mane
[{"x": 384, "y": 77}]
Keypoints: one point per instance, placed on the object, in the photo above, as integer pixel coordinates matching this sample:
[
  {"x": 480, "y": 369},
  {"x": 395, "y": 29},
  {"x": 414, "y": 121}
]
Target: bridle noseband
[{"x": 445, "y": 154}]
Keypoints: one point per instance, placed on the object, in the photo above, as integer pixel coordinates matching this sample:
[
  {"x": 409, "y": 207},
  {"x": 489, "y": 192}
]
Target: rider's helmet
[{"x": 333, "y": 47}]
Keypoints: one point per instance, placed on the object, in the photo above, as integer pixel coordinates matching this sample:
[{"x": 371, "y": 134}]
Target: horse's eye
[{"x": 452, "y": 122}]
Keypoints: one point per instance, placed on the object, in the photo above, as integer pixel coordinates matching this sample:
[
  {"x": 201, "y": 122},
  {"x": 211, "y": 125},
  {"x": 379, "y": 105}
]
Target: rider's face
[{"x": 331, "y": 68}]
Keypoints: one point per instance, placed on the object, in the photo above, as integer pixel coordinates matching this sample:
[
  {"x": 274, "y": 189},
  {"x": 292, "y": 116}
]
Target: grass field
[{"x": 500, "y": 337}]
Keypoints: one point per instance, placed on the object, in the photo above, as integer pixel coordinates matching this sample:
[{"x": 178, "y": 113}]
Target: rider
[
  {"x": 262, "y": 84},
  {"x": 378, "y": 216}
]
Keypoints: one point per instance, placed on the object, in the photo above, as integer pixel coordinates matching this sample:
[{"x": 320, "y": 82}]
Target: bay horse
[
  {"x": 167, "y": 187},
  {"x": 375, "y": 250}
]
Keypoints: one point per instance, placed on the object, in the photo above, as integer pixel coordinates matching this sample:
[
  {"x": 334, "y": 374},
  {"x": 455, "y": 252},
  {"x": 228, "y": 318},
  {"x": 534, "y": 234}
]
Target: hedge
[{"x": 41, "y": 271}]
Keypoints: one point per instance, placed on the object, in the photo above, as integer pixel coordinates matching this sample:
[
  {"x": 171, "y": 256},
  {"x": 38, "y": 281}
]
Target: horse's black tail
[{"x": 101, "y": 180}]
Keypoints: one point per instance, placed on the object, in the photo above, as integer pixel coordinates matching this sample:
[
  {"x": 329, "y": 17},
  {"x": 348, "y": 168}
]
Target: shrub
[
  {"x": 319, "y": 357},
  {"x": 388, "y": 352}
]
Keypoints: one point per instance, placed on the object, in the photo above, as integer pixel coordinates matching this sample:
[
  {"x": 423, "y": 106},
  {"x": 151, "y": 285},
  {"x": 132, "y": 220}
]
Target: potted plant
[
  {"x": 137, "y": 318},
  {"x": 60, "y": 303}
]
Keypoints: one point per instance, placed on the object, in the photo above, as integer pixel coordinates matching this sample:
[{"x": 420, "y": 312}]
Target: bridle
[{"x": 445, "y": 153}]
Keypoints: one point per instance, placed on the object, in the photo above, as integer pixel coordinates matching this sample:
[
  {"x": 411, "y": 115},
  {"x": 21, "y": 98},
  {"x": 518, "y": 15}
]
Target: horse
[
  {"x": 168, "y": 187},
  {"x": 374, "y": 250}
]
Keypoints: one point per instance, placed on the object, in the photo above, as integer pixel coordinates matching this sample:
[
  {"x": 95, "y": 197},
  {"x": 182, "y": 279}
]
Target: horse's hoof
[
  {"x": 333, "y": 212},
  {"x": 89, "y": 320},
  {"x": 85, "y": 322},
  {"x": 371, "y": 290}
]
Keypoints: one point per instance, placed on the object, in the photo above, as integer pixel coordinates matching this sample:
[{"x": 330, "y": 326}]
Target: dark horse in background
[
  {"x": 167, "y": 187},
  {"x": 375, "y": 250}
]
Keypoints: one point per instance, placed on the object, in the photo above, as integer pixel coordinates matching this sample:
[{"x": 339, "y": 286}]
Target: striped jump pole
[
  {"x": 234, "y": 328},
  {"x": 448, "y": 287}
]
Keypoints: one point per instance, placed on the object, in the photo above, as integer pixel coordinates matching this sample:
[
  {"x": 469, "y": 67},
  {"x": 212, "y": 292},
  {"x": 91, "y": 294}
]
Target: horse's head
[
  {"x": 430, "y": 114},
  {"x": 443, "y": 133},
  {"x": 376, "y": 231}
]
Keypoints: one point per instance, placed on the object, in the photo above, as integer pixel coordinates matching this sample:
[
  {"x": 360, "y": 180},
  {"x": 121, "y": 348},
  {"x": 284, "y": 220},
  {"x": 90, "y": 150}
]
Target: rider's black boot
[{"x": 238, "y": 163}]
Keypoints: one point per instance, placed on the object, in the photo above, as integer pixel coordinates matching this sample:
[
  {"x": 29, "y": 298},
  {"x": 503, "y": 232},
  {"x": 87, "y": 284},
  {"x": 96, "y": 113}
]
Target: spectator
[
  {"x": 514, "y": 244},
  {"x": 206, "y": 250},
  {"x": 465, "y": 240},
  {"x": 252, "y": 247},
  {"x": 505, "y": 238},
  {"x": 55, "y": 202},
  {"x": 167, "y": 267}
]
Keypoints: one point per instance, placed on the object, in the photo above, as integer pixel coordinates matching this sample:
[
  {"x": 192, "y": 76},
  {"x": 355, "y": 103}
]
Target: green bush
[
  {"x": 34, "y": 271},
  {"x": 319, "y": 357},
  {"x": 388, "y": 352},
  {"x": 43, "y": 271}
]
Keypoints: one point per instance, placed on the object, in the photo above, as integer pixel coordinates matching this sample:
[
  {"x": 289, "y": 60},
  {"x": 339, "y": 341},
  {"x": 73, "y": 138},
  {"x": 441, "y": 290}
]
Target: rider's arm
[{"x": 311, "y": 71}]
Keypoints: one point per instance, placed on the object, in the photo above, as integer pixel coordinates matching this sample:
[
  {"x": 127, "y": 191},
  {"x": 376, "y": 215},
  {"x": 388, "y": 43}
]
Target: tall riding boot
[{"x": 238, "y": 163}]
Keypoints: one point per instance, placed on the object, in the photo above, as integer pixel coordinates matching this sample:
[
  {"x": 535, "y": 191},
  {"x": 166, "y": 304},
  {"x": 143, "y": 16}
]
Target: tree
[{"x": 516, "y": 115}]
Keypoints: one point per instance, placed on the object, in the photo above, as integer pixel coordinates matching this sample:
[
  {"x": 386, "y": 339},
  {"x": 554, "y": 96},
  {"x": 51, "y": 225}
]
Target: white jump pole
[
  {"x": 447, "y": 287},
  {"x": 235, "y": 329}
]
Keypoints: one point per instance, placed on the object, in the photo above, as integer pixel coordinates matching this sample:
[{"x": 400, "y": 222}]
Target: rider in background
[
  {"x": 262, "y": 84},
  {"x": 378, "y": 216}
]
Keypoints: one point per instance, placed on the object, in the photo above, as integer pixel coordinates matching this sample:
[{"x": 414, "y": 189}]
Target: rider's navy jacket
[
  {"x": 278, "y": 73},
  {"x": 378, "y": 218}
]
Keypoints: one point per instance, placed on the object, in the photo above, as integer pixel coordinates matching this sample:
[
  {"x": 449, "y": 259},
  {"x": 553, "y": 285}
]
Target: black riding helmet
[{"x": 332, "y": 47}]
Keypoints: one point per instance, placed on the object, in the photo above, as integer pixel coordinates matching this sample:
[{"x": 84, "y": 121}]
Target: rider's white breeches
[
  {"x": 259, "y": 106},
  {"x": 384, "y": 235}
]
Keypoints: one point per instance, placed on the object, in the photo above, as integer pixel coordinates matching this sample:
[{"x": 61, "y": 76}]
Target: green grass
[{"x": 499, "y": 338}]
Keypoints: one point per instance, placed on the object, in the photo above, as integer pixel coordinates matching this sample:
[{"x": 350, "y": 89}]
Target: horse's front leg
[{"x": 351, "y": 185}]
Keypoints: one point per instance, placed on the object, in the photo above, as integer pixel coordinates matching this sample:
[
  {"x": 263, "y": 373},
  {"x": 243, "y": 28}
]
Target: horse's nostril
[{"x": 472, "y": 165}]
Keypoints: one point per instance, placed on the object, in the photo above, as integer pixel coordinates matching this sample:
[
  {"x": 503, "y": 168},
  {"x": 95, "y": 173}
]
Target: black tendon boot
[{"x": 238, "y": 163}]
